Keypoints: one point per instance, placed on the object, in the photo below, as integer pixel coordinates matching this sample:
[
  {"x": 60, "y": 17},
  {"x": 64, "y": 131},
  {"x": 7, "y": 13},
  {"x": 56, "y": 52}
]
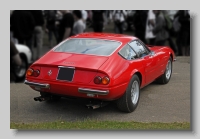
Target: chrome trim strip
[
  {"x": 93, "y": 91},
  {"x": 37, "y": 84},
  {"x": 66, "y": 67}
]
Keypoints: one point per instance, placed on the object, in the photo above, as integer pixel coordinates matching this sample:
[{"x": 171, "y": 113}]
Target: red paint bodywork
[{"x": 87, "y": 67}]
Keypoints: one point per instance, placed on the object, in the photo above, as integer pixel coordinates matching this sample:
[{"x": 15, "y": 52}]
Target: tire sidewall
[
  {"x": 130, "y": 104},
  {"x": 165, "y": 78}
]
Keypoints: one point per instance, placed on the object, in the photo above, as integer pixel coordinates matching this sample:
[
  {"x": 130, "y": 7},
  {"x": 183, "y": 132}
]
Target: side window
[
  {"x": 138, "y": 48},
  {"x": 148, "y": 51},
  {"x": 128, "y": 53}
]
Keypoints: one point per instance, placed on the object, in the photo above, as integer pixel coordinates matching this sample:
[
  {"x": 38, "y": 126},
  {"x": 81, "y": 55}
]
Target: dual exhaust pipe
[
  {"x": 97, "y": 105},
  {"x": 41, "y": 98},
  {"x": 91, "y": 105}
]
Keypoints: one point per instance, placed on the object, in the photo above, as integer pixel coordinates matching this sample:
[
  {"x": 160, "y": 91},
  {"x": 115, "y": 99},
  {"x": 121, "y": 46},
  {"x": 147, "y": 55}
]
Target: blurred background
[{"x": 35, "y": 32}]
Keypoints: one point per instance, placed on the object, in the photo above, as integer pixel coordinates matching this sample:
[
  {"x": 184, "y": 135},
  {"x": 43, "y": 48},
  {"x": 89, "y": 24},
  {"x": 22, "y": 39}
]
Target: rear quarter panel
[
  {"x": 162, "y": 55},
  {"x": 121, "y": 70}
]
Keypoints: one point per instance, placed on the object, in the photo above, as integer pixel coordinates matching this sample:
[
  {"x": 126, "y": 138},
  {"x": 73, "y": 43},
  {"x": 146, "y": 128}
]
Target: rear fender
[{"x": 135, "y": 71}]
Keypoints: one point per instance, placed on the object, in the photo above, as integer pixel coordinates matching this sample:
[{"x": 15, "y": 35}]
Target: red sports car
[{"x": 100, "y": 66}]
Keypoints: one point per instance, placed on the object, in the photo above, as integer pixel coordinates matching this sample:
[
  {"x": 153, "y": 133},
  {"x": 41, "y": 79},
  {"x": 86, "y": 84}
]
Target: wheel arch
[
  {"x": 136, "y": 72},
  {"x": 171, "y": 55},
  {"x": 139, "y": 76}
]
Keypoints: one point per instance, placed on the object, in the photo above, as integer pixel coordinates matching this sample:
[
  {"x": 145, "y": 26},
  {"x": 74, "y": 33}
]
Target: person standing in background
[
  {"x": 119, "y": 17},
  {"x": 139, "y": 22},
  {"x": 22, "y": 25},
  {"x": 79, "y": 25},
  {"x": 98, "y": 20},
  {"x": 89, "y": 19},
  {"x": 170, "y": 30},
  {"x": 51, "y": 28},
  {"x": 183, "y": 39},
  {"x": 84, "y": 16},
  {"x": 37, "y": 40},
  {"x": 150, "y": 22},
  {"x": 66, "y": 25},
  {"x": 159, "y": 29}
]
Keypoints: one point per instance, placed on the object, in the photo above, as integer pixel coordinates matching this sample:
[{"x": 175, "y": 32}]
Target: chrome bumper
[
  {"x": 80, "y": 90},
  {"x": 37, "y": 84},
  {"x": 92, "y": 91}
]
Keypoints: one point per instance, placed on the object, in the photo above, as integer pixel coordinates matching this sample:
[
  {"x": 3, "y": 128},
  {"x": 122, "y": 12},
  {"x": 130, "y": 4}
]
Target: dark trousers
[
  {"x": 160, "y": 43},
  {"x": 98, "y": 26},
  {"x": 53, "y": 31},
  {"x": 141, "y": 36},
  {"x": 151, "y": 41},
  {"x": 119, "y": 27},
  {"x": 172, "y": 45}
]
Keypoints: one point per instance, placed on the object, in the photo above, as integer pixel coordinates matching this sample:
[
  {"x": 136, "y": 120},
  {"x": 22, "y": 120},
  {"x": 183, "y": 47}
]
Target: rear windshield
[{"x": 89, "y": 46}]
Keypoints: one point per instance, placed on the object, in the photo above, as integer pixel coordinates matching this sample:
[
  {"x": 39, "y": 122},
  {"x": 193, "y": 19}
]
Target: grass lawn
[{"x": 102, "y": 125}]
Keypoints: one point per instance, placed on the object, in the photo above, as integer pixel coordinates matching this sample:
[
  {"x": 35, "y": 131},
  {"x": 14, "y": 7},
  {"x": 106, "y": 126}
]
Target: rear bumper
[
  {"x": 47, "y": 86},
  {"x": 80, "y": 90},
  {"x": 92, "y": 91},
  {"x": 77, "y": 90}
]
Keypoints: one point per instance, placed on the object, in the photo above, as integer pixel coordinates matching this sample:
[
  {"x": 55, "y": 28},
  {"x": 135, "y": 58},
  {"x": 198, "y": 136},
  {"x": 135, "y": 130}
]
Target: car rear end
[{"x": 75, "y": 71}]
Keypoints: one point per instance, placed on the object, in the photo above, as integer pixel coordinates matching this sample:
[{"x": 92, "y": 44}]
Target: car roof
[{"x": 108, "y": 36}]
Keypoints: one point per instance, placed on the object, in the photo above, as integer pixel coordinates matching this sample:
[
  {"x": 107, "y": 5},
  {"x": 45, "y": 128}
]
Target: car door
[{"x": 148, "y": 59}]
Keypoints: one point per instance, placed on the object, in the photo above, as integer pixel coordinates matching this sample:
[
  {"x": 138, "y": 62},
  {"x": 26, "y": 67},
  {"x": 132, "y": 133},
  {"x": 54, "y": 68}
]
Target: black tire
[
  {"x": 128, "y": 102},
  {"x": 20, "y": 71},
  {"x": 164, "y": 79}
]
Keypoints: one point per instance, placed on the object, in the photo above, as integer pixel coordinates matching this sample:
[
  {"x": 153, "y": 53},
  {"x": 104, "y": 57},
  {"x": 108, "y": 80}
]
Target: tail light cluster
[
  {"x": 32, "y": 72},
  {"x": 101, "y": 80}
]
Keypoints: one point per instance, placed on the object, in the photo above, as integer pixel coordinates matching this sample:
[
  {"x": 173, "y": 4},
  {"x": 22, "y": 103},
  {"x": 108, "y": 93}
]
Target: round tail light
[
  {"x": 29, "y": 72},
  {"x": 36, "y": 73},
  {"x": 105, "y": 80},
  {"x": 97, "y": 80}
]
